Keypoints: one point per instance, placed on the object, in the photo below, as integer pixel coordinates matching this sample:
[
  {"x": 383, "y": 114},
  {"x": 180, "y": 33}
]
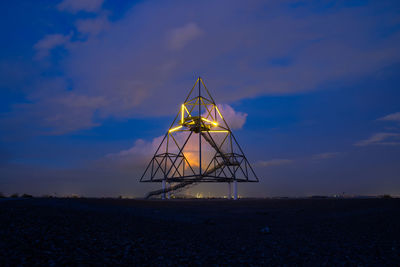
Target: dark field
[{"x": 98, "y": 232}]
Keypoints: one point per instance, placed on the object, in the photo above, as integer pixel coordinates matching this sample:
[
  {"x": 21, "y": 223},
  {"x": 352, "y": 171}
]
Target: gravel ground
[{"x": 284, "y": 232}]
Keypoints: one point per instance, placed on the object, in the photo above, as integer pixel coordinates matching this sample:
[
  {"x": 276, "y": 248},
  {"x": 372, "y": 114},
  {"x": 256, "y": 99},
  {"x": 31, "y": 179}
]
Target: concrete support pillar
[
  {"x": 163, "y": 188},
  {"x": 229, "y": 191},
  {"x": 235, "y": 190}
]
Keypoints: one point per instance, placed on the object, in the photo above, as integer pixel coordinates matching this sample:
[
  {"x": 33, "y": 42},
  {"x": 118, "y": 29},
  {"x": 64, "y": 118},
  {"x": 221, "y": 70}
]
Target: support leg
[
  {"x": 229, "y": 191},
  {"x": 163, "y": 187},
  {"x": 169, "y": 192},
  {"x": 235, "y": 191}
]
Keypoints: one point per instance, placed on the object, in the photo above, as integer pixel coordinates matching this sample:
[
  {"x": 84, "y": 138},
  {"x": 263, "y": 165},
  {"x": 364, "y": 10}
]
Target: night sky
[{"x": 311, "y": 88}]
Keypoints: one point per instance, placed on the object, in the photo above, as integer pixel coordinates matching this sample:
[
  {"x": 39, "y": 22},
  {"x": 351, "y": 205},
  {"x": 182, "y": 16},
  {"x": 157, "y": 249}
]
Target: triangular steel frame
[{"x": 199, "y": 116}]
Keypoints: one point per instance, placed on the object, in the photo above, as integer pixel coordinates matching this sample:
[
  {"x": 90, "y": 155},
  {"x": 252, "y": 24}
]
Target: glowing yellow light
[
  {"x": 217, "y": 131},
  {"x": 212, "y": 122},
  {"x": 186, "y": 110},
  {"x": 218, "y": 112},
  {"x": 174, "y": 129},
  {"x": 182, "y": 112}
]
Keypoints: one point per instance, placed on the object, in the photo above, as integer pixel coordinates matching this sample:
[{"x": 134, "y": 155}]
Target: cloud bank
[{"x": 239, "y": 50}]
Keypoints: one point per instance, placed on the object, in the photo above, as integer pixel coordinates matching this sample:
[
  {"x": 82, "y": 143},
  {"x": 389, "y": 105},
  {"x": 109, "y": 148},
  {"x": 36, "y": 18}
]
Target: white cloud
[
  {"x": 391, "y": 117},
  {"x": 140, "y": 148},
  {"x": 273, "y": 162},
  {"x": 235, "y": 119},
  {"x": 180, "y": 37},
  {"x": 134, "y": 158},
  {"x": 49, "y": 42},
  {"x": 74, "y": 6},
  {"x": 390, "y": 139}
]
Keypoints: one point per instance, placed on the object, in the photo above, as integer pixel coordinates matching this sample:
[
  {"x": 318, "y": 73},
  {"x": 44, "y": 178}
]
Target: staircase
[
  {"x": 168, "y": 189},
  {"x": 183, "y": 184},
  {"x": 224, "y": 156}
]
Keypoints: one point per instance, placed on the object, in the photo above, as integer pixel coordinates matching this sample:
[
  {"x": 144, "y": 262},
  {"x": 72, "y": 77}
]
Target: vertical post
[
  {"x": 199, "y": 129},
  {"x": 163, "y": 188},
  {"x": 229, "y": 191},
  {"x": 169, "y": 192},
  {"x": 235, "y": 191}
]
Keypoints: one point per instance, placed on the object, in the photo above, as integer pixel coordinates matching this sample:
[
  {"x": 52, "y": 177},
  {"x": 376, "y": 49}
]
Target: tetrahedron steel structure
[{"x": 198, "y": 147}]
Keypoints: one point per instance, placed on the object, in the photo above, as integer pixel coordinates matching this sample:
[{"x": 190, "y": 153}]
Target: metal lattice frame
[{"x": 199, "y": 115}]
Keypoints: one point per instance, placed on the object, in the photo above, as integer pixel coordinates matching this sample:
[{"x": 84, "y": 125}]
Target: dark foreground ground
[{"x": 98, "y": 232}]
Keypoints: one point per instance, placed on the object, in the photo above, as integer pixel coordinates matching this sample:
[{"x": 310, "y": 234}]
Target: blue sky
[{"x": 86, "y": 87}]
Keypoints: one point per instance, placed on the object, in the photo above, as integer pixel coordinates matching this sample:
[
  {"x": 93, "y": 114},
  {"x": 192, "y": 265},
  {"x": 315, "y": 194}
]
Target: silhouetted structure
[{"x": 198, "y": 147}]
